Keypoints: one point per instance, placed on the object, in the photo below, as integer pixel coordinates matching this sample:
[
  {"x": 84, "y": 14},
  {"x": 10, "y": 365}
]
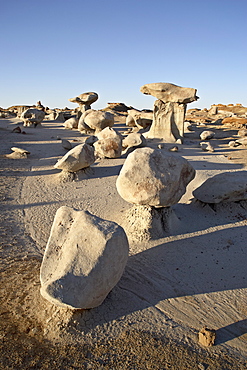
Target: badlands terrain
[{"x": 172, "y": 286}]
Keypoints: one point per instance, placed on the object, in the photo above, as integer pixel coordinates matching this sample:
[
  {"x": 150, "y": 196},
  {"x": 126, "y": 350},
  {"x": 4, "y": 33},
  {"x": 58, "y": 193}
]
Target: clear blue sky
[{"x": 57, "y": 49}]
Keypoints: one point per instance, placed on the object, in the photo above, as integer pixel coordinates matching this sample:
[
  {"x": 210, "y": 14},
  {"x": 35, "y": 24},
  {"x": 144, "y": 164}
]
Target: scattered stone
[
  {"x": 78, "y": 270},
  {"x": 207, "y": 135},
  {"x": 233, "y": 144},
  {"x": 17, "y": 130},
  {"x": 207, "y": 147},
  {"x": 207, "y": 337},
  {"x": 242, "y": 141},
  {"x": 81, "y": 156},
  {"x": 224, "y": 187},
  {"x": 174, "y": 149},
  {"x": 160, "y": 146},
  {"x": 19, "y": 150},
  {"x": 66, "y": 144},
  {"x": 154, "y": 177}
]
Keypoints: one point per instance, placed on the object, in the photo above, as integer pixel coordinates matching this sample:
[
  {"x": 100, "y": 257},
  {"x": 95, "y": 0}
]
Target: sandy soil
[{"x": 171, "y": 287}]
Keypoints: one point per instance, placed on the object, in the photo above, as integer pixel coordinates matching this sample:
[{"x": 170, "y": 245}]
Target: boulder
[
  {"x": 71, "y": 123},
  {"x": 139, "y": 118},
  {"x": 224, "y": 187},
  {"x": 207, "y": 135},
  {"x": 95, "y": 120},
  {"x": 81, "y": 156},
  {"x": 206, "y": 147},
  {"x": 32, "y": 116},
  {"x": 168, "y": 92},
  {"x": 134, "y": 140},
  {"x": 109, "y": 144},
  {"x": 84, "y": 259},
  {"x": 154, "y": 177},
  {"x": 66, "y": 144}
]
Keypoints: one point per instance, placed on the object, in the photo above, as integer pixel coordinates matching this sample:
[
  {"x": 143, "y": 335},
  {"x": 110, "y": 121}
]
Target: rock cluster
[{"x": 81, "y": 156}]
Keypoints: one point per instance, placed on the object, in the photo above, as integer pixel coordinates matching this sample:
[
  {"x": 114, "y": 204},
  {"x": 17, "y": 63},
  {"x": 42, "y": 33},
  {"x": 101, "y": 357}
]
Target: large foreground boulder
[
  {"x": 154, "y": 177},
  {"x": 224, "y": 187},
  {"x": 81, "y": 156},
  {"x": 84, "y": 259}
]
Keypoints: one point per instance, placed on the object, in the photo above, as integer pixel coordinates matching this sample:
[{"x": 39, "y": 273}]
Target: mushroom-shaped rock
[
  {"x": 84, "y": 259},
  {"x": 109, "y": 144},
  {"x": 81, "y": 156},
  {"x": 224, "y": 187},
  {"x": 154, "y": 177},
  {"x": 95, "y": 120},
  {"x": 32, "y": 116},
  {"x": 71, "y": 123},
  {"x": 85, "y": 100},
  {"x": 168, "y": 92}
]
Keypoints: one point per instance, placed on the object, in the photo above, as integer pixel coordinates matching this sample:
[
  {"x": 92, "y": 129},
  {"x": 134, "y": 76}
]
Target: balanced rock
[
  {"x": 95, "y": 120},
  {"x": 85, "y": 100},
  {"x": 154, "y": 177},
  {"x": 32, "y": 116},
  {"x": 168, "y": 92},
  {"x": 109, "y": 144},
  {"x": 224, "y": 187},
  {"x": 84, "y": 259},
  {"x": 81, "y": 156}
]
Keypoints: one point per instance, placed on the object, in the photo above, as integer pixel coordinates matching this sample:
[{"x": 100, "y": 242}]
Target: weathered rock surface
[
  {"x": 84, "y": 259},
  {"x": 224, "y": 187},
  {"x": 207, "y": 147},
  {"x": 168, "y": 92},
  {"x": 138, "y": 118},
  {"x": 32, "y": 116},
  {"x": 109, "y": 144},
  {"x": 154, "y": 177},
  {"x": 95, "y": 120},
  {"x": 81, "y": 156}
]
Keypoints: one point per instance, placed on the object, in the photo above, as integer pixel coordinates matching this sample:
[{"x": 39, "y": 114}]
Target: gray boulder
[
  {"x": 95, "y": 120},
  {"x": 32, "y": 116},
  {"x": 84, "y": 259},
  {"x": 109, "y": 144},
  {"x": 154, "y": 177},
  {"x": 81, "y": 156},
  {"x": 224, "y": 187}
]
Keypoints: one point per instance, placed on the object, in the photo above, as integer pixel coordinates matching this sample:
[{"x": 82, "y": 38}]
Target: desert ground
[{"x": 194, "y": 276}]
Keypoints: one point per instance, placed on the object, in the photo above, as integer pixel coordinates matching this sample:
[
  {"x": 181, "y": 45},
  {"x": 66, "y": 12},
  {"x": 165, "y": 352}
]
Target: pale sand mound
[{"x": 171, "y": 287}]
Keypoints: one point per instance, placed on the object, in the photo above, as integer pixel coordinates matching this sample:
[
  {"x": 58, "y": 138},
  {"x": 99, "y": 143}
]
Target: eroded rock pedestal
[{"x": 169, "y": 110}]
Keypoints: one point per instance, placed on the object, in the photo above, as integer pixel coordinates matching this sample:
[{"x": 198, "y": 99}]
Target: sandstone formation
[
  {"x": 169, "y": 110},
  {"x": 32, "y": 116},
  {"x": 81, "y": 156},
  {"x": 95, "y": 120},
  {"x": 154, "y": 177},
  {"x": 109, "y": 144},
  {"x": 140, "y": 119},
  {"x": 224, "y": 187},
  {"x": 207, "y": 147},
  {"x": 84, "y": 259},
  {"x": 85, "y": 100}
]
